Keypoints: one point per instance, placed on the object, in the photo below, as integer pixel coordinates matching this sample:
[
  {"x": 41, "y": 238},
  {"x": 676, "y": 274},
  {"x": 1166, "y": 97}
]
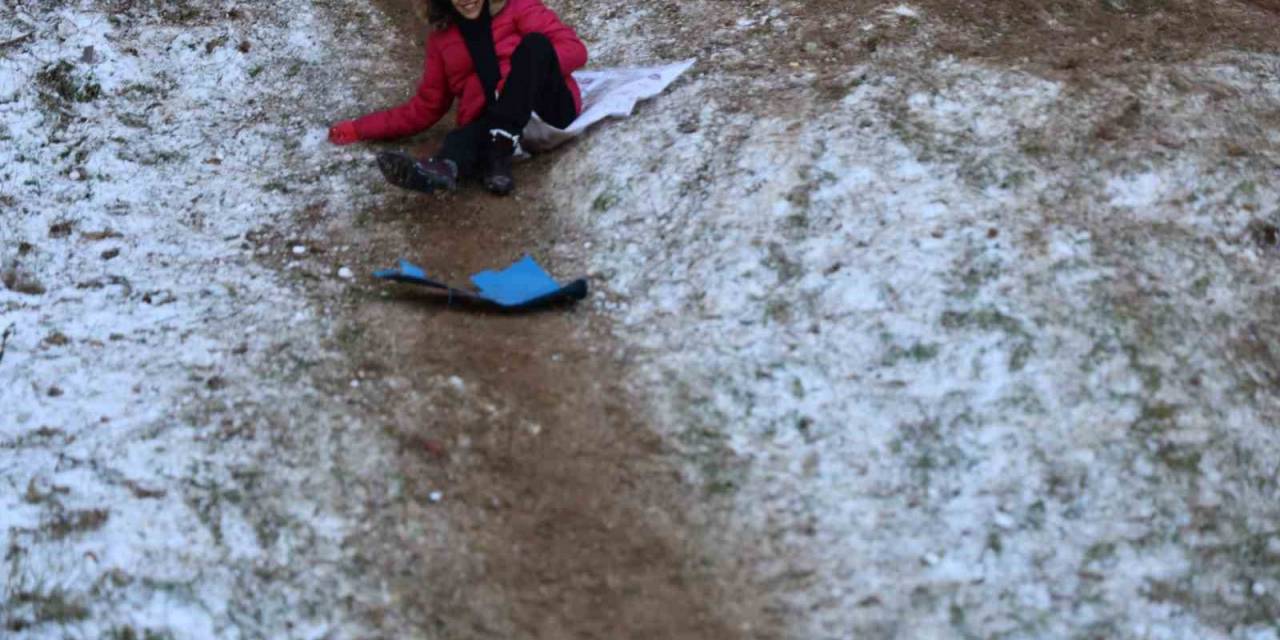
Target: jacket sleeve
[
  {"x": 424, "y": 109},
  {"x": 537, "y": 18}
]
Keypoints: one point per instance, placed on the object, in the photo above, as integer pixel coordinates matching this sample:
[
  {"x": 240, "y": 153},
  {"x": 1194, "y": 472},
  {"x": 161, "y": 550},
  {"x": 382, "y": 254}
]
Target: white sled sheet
[{"x": 606, "y": 93}]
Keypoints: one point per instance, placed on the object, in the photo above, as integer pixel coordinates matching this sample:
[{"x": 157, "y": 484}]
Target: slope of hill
[{"x": 911, "y": 320}]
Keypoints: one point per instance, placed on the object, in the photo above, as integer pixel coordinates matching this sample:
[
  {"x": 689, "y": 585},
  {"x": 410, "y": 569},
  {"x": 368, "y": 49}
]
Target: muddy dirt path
[
  {"x": 571, "y": 513},
  {"x": 567, "y": 518},
  {"x": 572, "y": 518}
]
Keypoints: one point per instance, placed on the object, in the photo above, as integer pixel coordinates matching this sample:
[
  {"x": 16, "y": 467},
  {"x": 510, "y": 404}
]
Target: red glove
[{"x": 344, "y": 132}]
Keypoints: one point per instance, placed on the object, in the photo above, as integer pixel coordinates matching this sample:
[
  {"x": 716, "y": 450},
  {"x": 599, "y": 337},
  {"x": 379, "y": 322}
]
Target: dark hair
[{"x": 441, "y": 14}]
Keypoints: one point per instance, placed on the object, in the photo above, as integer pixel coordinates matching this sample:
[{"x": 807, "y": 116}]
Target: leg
[
  {"x": 465, "y": 146},
  {"x": 534, "y": 84},
  {"x": 462, "y": 155},
  {"x": 427, "y": 176}
]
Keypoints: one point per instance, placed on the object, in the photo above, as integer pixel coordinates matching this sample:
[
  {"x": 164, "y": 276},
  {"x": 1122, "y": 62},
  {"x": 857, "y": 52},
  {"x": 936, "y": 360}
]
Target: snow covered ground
[
  {"x": 955, "y": 351},
  {"x": 961, "y": 361},
  {"x": 172, "y": 462}
]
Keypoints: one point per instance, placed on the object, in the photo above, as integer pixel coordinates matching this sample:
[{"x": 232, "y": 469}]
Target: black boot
[
  {"x": 427, "y": 176},
  {"x": 497, "y": 175}
]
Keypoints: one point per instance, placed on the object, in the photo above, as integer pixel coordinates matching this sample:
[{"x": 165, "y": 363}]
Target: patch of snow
[
  {"x": 876, "y": 322},
  {"x": 168, "y": 462},
  {"x": 1137, "y": 192},
  {"x": 905, "y": 11}
]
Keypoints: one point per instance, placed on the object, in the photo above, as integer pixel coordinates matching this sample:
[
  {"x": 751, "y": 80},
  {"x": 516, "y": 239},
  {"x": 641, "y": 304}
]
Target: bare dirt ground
[
  {"x": 578, "y": 521},
  {"x": 573, "y": 517},
  {"x": 573, "y": 513}
]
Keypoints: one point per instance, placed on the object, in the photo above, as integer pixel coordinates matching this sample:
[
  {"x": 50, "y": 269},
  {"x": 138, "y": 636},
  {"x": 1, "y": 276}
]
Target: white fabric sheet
[{"x": 606, "y": 93}]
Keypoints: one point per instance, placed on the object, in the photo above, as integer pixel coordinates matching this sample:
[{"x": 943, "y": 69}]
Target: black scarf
[{"x": 478, "y": 34}]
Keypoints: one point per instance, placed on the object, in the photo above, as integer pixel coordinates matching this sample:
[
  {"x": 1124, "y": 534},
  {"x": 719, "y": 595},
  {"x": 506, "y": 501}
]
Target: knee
[
  {"x": 536, "y": 42},
  {"x": 461, "y": 139},
  {"x": 457, "y": 136}
]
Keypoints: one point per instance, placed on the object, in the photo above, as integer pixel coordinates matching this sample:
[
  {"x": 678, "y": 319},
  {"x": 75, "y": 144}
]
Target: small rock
[
  {"x": 457, "y": 383},
  {"x": 60, "y": 229},
  {"x": 299, "y": 250},
  {"x": 434, "y": 447},
  {"x": 355, "y": 384},
  {"x": 1106, "y": 132},
  {"x": 55, "y": 392},
  {"x": 213, "y": 44},
  {"x": 1264, "y": 233},
  {"x": 17, "y": 279},
  {"x": 812, "y": 48},
  {"x": 1259, "y": 589},
  {"x": 105, "y": 234},
  {"x": 57, "y": 339},
  {"x": 435, "y": 496},
  {"x": 88, "y": 55},
  {"x": 345, "y": 273},
  {"x": 1236, "y": 150},
  {"x": 110, "y": 253}
]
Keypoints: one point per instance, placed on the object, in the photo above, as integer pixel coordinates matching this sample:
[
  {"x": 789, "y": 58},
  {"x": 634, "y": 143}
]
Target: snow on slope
[
  {"x": 961, "y": 368},
  {"x": 171, "y": 462},
  {"x": 953, "y": 367}
]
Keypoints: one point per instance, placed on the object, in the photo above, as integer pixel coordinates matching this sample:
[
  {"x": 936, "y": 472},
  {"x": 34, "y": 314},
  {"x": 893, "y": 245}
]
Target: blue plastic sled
[{"x": 523, "y": 285}]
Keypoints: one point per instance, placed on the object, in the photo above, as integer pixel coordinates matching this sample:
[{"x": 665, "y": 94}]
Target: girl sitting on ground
[{"x": 504, "y": 62}]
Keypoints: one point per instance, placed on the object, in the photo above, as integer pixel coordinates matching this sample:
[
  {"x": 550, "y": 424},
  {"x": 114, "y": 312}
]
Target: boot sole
[
  {"x": 402, "y": 170},
  {"x": 499, "y": 187}
]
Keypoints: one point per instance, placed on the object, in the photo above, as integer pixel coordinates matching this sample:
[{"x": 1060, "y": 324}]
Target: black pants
[{"x": 534, "y": 85}]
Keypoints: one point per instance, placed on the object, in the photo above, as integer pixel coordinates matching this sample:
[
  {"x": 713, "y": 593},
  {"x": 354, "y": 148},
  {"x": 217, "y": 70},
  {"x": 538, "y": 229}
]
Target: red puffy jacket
[{"x": 449, "y": 72}]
